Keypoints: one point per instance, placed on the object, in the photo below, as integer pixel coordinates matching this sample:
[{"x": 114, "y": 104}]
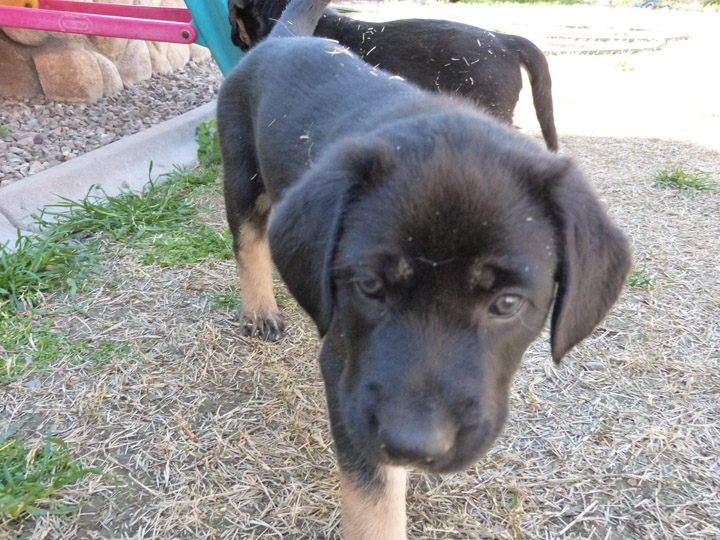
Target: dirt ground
[{"x": 213, "y": 436}]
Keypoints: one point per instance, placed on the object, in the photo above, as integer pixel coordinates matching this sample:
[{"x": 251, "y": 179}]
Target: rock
[
  {"x": 158, "y": 57},
  {"x": 35, "y": 168},
  {"x": 160, "y": 65},
  {"x": 112, "y": 82},
  {"x": 24, "y": 36},
  {"x": 198, "y": 53},
  {"x": 67, "y": 40},
  {"x": 160, "y": 46},
  {"x": 18, "y": 75},
  {"x": 134, "y": 65},
  {"x": 113, "y": 48},
  {"x": 69, "y": 75},
  {"x": 25, "y": 139},
  {"x": 178, "y": 55}
]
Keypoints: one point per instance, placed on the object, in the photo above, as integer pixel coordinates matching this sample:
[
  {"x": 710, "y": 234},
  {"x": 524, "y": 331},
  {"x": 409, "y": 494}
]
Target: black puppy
[
  {"x": 428, "y": 242},
  {"x": 435, "y": 54}
]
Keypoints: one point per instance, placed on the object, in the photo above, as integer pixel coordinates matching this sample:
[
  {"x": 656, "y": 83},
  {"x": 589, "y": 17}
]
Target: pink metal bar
[
  {"x": 174, "y": 14},
  {"x": 98, "y": 25}
]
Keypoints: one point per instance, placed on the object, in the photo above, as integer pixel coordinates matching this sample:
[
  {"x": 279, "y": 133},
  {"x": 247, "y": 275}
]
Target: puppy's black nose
[{"x": 417, "y": 440}]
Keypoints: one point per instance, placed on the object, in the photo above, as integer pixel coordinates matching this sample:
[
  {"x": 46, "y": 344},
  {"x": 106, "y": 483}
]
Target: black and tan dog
[
  {"x": 434, "y": 54},
  {"x": 428, "y": 241}
]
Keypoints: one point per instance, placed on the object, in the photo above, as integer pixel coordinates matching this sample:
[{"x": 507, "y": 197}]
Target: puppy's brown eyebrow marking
[
  {"x": 494, "y": 274},
  {"x": 403, "y": 270},
  {"x": 482, "y": 276}
]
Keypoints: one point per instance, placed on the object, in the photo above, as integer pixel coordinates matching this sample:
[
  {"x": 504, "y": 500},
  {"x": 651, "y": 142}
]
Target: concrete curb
[{"x": 119, "y": 166}]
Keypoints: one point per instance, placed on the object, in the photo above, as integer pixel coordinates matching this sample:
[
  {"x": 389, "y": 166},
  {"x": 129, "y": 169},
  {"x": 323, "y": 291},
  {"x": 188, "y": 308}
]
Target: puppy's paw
[{"x": 268, "y": 328}]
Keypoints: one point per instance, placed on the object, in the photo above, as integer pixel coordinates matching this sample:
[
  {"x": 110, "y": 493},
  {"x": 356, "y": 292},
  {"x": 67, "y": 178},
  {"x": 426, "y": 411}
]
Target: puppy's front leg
[
  {"x": 260, "y": 312},
  {"x": 373, "y": 496},
  {"x": 375, "y": 511}
]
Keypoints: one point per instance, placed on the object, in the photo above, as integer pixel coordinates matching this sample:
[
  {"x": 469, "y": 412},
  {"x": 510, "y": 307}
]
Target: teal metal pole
[{"x": 210, "y": 19}]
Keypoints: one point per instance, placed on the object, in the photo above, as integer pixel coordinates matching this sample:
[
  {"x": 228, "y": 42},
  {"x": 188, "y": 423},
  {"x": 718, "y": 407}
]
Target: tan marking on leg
[
  {"x": 374, "y": 516},
  {"x": 263, "y": 204},
  {"x": 254, "y": 267},
  {"x": 242, "y": 32}
]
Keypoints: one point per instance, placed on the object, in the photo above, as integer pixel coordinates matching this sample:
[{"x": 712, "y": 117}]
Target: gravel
[{"x": 36, "y": 134}]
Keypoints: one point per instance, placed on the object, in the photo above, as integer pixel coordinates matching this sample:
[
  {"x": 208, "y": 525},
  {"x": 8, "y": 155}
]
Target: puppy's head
[
  {"x": 252, "y": 20},
  {"x": 435, "y": 262}
]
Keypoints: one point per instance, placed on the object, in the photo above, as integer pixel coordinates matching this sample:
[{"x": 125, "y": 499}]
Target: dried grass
[{"x": 212, "y": 436}]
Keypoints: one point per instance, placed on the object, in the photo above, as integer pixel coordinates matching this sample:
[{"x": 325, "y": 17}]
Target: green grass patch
[
  {"x": 30, "y": 477},
  {"x": 640, "y": 278},
  {"x": 188, "y": 245},
  {"x": 208, "y": 140},
  {"x": 32, "y": 343},
  {"x": 5, "y": 131},
  {"x": 160, "y": 221},
  {"x": 161, "y": 218},
  {"x": 39, "y": 264},
  {"x": 200, "y": 180},
  {"x": 676, "y": 178},
  {"x": 127, "y": 217},
  {"x": 229, "y": 300}
]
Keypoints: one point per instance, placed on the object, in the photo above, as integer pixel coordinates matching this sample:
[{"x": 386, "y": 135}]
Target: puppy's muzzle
[
  {"x": 407, "y": 438},
  {"x": 439, "y": 429}
]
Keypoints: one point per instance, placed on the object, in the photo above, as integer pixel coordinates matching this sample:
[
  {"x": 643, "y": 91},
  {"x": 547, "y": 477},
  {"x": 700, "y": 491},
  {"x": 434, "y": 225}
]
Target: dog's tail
[
  {"x": 536, "y": 65},
  {"x": 299, "y": 18}
]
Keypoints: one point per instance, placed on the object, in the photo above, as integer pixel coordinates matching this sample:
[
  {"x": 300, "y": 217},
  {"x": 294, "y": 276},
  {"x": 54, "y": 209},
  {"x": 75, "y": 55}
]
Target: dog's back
[
  {"x": 441, "y": 55},
  {"x": 314, "y": 90}
]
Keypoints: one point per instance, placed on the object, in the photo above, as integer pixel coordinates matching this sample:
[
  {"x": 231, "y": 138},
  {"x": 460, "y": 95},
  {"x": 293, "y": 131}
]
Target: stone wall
[{"x": 78, "y": 68}]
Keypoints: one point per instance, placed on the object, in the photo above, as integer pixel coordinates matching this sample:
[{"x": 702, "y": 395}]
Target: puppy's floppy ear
[
  {"x": 307, "y": 223},
  {"x": 246, "y": 25},
  {"x": 594, "y": 260},
  {"x": 234, "y": 9}
]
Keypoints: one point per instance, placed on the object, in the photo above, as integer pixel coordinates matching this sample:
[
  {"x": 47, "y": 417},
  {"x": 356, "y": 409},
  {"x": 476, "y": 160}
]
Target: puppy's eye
[
  {"x": 371, "y": 287},
  {"x": 507, "y": 305}
]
